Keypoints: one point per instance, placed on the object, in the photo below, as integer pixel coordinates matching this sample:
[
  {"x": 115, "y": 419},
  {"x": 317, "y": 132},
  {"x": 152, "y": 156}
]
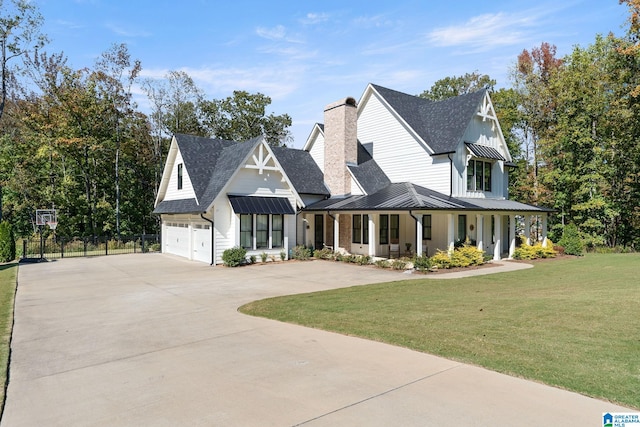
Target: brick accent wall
[{"x": 340, "y": 144}]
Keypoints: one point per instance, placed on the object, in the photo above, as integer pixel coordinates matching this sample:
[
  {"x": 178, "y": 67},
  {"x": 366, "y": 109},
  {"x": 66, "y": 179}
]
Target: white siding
[
  {"x": 317, "y": 151},
  {"x": 172, "y": 192},
  {"x": 395, "y": 149}
]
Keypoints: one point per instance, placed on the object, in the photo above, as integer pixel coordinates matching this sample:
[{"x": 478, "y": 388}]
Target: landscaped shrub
[
  {"x": 364, "y": 260},
  {"x": 534, "y": 252},
  {"x": 399, "y": 264},
  {"x": 383, "y": 263},
  {"x": 301, "y": 253},
  {"x": 234, "y": 257},
  {"x": 7, "y": 242},
  {"x": 283, "y": 256},
  {"x": 441, "y": 259},
  {"x": 471, "y": 254},
  {"x": 252, "y": 259},
  {"x": 571, "y": 240},
  {"x": 324, "y": 253},
  {"x": 422, "y": 263},
  {"x": 264, "y": 256}
]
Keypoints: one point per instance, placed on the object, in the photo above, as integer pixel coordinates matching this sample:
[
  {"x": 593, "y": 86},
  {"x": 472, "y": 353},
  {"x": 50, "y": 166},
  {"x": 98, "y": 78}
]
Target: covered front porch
[{"x": 394, "y": 233}]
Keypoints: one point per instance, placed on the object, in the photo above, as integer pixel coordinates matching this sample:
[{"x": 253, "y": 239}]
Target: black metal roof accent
[
  {"x": 261, "y": 205},
  {"x": 484, "y": 151},
  {"x": 441, "y": 124}
]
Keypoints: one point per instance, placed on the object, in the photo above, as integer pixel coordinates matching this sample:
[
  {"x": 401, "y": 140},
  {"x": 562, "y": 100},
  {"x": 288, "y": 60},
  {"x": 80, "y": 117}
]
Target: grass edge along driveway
[
  {"x": 571, "y": 323},
  {"x": 8, "y": 276}
]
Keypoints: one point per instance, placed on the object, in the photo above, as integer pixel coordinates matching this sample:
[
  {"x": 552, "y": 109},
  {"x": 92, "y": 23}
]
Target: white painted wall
[
  {"x": 187, "y": 191},
  {"x": 317, "y": 150},
  {"x": 395, "y": 149}
]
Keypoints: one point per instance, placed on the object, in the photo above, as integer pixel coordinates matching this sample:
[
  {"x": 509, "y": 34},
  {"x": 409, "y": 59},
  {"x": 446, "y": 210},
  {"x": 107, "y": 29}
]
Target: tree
[
  {"x": 449, "y": 87},
  {"x": 243, "y": 116}
]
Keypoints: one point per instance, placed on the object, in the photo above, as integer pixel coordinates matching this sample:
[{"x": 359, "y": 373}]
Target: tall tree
[
  {"x": 242, "y": 116},
  {"x": 449, "y": 87}
]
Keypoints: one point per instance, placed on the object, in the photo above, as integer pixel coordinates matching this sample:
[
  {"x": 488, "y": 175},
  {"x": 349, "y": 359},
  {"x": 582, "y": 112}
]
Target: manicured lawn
[
  {"x": 572, "y": 323},
  {"x": 8, "y": 274}
]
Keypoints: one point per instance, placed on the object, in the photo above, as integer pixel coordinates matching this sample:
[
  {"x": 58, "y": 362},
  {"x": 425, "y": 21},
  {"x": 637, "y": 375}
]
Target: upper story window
[
  {"x": 479, "y": 175},
  {"x": 180, "y": 176}
]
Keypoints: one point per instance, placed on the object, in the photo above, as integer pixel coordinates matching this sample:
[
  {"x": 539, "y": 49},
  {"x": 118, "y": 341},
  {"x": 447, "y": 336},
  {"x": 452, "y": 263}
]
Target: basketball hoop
[{"x": 47, "y": 217}]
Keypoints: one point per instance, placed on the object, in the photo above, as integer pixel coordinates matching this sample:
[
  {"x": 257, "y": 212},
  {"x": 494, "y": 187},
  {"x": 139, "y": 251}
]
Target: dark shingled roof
[
  {"x": 210, "y": 164},
  {"x": 441, "y": 124},
  {"x": 405, "y": 196},
  {"x": 368, "y": 173},
  {"x": 302, "y": 170}
]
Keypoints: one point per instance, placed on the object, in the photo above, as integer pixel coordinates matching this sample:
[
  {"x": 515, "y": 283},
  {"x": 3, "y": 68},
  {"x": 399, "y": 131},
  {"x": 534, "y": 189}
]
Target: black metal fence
[{"x": 57, "y": 247}]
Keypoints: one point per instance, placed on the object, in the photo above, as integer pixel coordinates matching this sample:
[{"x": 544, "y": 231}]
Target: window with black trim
[
  {"x": 277, "y": 231},
  {"x": 394, "y": 229},
  {"x": 426, "y": 227},
  {"x": 479, "y": 175},
  {"x": 356, "y": 230},
  {"x": 262, "y": 231},
  {"x": 180, "y": 176},
  {"x": 462, "y": 228},
  {"x": 246, "y": 231},
  {"x": 384, "y": 229},
  {"x": 365, "y": 229}
]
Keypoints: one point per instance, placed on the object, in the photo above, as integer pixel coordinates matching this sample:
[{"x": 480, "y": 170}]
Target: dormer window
[
  {"x": 479, "y": 175},
  {"x": 180, "y": 176}
]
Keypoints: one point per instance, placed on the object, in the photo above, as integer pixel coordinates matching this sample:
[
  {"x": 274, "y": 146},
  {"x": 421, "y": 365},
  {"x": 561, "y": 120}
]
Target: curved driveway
[{"x": 153, "y": 340}]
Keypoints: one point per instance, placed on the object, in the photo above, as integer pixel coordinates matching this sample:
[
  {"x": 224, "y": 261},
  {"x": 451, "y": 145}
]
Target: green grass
[
  {"x": 8, "y": 274},
  {"x": 572, "y": 323}
]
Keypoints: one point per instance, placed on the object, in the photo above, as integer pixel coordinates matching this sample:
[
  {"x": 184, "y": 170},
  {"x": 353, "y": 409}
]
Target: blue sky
[{"x": 307, "y": 54}]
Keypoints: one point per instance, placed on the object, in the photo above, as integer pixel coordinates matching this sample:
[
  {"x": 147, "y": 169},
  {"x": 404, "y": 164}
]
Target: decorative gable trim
[
  {"x": 265, "y": 160},
  {"x": 487, "y": 112}
]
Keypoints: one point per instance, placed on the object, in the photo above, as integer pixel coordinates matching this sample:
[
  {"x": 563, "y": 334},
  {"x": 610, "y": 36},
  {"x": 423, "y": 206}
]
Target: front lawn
[
  {"x": 572, "y": 323},
  {"x": 8, "y": 274}
]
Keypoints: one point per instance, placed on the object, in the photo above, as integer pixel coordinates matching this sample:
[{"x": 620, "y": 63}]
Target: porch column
[
  {"x": 372, "y": 236},
  {"x": 419, "y": 236},
  {"x": 450, "y": 233},
  {"x": 336, "y": 232},
  {"x": 544, "y": 230},
  {"x": 497, "y": 249},
  {"x": 527, "y": 229},
  {"x": 480, "y": 231},
  {"x": 512, "y": 235}
]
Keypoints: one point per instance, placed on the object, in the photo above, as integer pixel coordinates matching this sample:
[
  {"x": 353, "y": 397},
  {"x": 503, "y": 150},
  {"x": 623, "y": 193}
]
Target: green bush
[
  {"x": 264, "y": 256},
  {"x": 422, "y": 263},
  {"x": 324, "y": 253},
  {"x": 364, "y": 260},
  {"x": 301, "y": 253},
  {"x": 383, "y": 263},
  {"x": 283, "y": 256},
  {"x": 7, "y": 242},
  {"x": 399, "y": 264},
  {"x": 571, "y": 240},
  {"x": 234, "y": 257},
  {"x": 252, "y": 259},
  {"x": 463, "y": 256}
]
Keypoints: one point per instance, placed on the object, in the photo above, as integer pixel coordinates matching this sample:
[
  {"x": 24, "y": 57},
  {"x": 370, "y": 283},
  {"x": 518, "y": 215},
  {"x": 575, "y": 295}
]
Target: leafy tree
[
  {"x": 243, "y": 116},
  {"x": 7, "y": 242},
  {"x": 571, "y": 240},
  {"x": 449, "y": 87}
]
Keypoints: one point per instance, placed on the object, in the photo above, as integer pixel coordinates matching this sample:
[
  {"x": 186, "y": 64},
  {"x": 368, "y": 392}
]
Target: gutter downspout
[
  {"x": 450, "y": 174},
  {"x": 213, "y": 246}
]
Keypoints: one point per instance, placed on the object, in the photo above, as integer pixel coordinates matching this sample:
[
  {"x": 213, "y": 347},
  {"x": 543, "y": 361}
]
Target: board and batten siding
[
  {"x": 393, "y": 146},
  {"x": 484, "y": 133},
  {"x": 172, "y": 192},
  {"x": 317, "y": 150}
]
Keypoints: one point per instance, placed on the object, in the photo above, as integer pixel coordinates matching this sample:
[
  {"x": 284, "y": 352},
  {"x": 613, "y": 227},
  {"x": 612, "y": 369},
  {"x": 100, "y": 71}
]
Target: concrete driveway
[{"x": 153, "y": 340}]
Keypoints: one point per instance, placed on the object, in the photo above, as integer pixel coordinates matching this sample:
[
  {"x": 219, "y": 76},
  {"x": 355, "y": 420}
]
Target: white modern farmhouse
[{"x": 391, "y": 174}]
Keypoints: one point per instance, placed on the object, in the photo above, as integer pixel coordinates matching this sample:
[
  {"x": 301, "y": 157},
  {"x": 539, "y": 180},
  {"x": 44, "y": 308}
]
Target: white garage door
[
  {"x": 177, "y": 239},
  {"x": 202, "y": 243}
]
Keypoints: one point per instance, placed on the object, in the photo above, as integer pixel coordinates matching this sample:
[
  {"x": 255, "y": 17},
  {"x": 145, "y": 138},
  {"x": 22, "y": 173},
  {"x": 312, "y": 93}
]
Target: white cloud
[
  {"x": 276, "y": 33},
  {"x": 376, "y": 21},
  {"x": 486, "y": 31},
  {"x": 314, "y": 18},
  {"x": 127, "y": 32}
]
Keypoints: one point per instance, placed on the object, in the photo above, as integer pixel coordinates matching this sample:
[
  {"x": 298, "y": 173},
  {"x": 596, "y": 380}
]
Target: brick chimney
[{"x": 340, "y": 145}]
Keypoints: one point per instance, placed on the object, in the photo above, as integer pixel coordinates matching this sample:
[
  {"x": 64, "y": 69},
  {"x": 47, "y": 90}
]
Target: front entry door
[{"x": 318, "y": 234}]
